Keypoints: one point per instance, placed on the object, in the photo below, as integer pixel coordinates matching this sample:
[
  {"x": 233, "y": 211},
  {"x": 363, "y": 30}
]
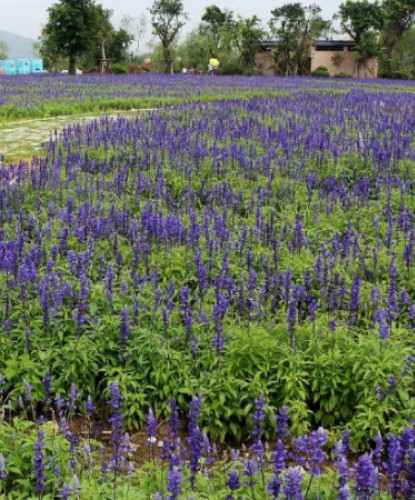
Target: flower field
[
  {"x": 239, "y": 263},
  {"x": 55, "y": 95}
]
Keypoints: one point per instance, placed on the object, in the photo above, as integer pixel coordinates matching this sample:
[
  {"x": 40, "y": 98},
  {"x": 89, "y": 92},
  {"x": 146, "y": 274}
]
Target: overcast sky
[{"x": 26, "y": 17}]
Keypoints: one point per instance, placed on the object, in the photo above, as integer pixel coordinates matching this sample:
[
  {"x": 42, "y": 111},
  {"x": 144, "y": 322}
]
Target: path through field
[{"x": 22, "y": 139}]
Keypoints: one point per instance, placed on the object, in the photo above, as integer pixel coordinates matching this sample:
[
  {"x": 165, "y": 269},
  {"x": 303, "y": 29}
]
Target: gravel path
[{"x": 22, "y": 140}]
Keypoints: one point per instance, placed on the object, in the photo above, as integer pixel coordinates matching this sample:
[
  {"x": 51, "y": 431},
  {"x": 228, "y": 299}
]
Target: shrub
[
  {"x": 343, "y": 75},
  {"x": 252, "y": 72},
  {"x": 119, "y": 69},
  {"x": 320, "y": 72},
  {"x": 395, "y": 74},
  {"x": 231, "y": 69}
]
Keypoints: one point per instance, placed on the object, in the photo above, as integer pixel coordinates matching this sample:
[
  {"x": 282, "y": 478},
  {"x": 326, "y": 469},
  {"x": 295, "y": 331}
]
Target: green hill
[{"x": 20, "y": 47}]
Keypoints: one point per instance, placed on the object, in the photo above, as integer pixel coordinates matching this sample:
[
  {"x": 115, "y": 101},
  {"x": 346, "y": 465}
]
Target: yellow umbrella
[{"x": 214, "y": 63}]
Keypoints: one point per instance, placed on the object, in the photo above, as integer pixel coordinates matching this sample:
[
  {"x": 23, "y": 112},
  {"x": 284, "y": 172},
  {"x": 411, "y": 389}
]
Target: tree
[
  {"x": 112, "y": 43},
  {"x": 52, "y": 57},
  {"x": 404, "y": 54},
  {"x": 250, "y": 36},
  {"x": 117, "y": 47},
  {"x": 194, "y": 51},
  {"x": 136, "y": 27},
  {"x": 215, "y": 27},
  {"x": 4, "y": 50},
  {"x": 337, "y": 60},
  {"x": 399, "y": 18},
  {"x": 167, "y": 19},
  {"x": 72, "y": 27},
  {"x": 362, "y": 21},
  {"x": 296, "y": 27},
  {"x": 36, "y": 47}
]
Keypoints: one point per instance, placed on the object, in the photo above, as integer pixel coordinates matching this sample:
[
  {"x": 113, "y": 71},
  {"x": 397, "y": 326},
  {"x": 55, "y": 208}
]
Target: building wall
[
  {"x": 20, "y": 66},
  {"x": 349, "y": 65},
  {"x": 265, "y": 62}
]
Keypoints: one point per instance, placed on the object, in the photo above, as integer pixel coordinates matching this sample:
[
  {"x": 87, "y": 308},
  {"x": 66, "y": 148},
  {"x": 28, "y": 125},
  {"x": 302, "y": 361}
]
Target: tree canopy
[
  {"x": 296, "y": 27},
  {"x": 4, "y": 50},
  {"x": 167, "y": 19},
  {"x": 83, "y": 29},
  {"x": 217, "y": 26},
  {"x": 362, "y": 21},
  {"x": 399, "y": 17},
  {"x": 72, "y": 28}
]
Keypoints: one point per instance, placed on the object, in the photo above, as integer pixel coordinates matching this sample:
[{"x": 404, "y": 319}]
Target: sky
[{"x": 26, "y": 17}]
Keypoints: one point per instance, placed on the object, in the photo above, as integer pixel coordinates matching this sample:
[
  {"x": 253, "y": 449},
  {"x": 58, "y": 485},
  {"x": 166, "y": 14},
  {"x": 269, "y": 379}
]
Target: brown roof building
[{"x": 336, "y": 55}]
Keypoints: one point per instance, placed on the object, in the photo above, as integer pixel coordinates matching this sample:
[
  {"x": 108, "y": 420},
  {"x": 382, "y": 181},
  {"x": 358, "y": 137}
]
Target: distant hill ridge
[{"x": 20, "y": 47}]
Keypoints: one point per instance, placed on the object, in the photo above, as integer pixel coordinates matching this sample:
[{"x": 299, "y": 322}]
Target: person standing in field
[{"x": 213, "y": 67}]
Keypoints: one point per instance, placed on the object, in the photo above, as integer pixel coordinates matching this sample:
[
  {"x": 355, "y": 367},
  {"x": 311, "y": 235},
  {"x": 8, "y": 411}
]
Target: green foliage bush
[
  {"x": 252, "y": 72},
  {"x": 343, "y": 75},
  {"x": 231, "y": 69},
  {"x": 119, "y": 69},
  {"x": 396, "y": 75},
  {"x": 320, "y": 73}
]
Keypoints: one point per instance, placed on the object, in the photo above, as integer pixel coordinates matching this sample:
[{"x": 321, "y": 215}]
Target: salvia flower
[
  {"x": 195, "y": 438},
  {"x": 65, "y": 492},
  {"x": 76, "y": 486},
  {"x": 38, "y": 463},
  {"x": 28, "y": 390},
  {"x": 394, "y": 465},
  {"x": 282, "y": 418},
  {"x": 292, "y": 484},
  {"x": 174, "y": 419},
  {"x": 73, "y": 398},
  {"x": 343, "y": 469},
  {"x": 278, "y": 460},
  {"x": 89, "y": 406},
  {"x": 151, "y": 429},
  {"x": 366, "y": 478},
  {"x": 257, "y": 432},
  {"x": 116, "y": 421},
  {"x": 251, "y": 467},
  {"x": 233, "y": 483},
  {"x": 47, "y": 385},
  {"x": 3, "y": 473},
  {"x": 174, "y": 485},
  {"x": 318, "y": 440},
  {"x": 125, "y": 330}
]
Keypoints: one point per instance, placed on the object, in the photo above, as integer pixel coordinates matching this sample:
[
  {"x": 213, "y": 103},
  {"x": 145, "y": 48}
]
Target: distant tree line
[{"x": 80, "y": 32}]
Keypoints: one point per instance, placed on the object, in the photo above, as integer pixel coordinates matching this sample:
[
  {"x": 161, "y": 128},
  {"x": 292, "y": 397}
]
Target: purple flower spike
[
  {"x": 367, "y": 478},
  {"x": 175, "y": 480},
  {"x": 38, "y": 464},
  {"x": 3, "y": 473},
  {"x": 65, "y": 492},
  {"x": 151, "y": 430},
  {"x": 292, "y": 484},
  {"x": 233, "y": 483},
  {"x": 116, "y": 421}
]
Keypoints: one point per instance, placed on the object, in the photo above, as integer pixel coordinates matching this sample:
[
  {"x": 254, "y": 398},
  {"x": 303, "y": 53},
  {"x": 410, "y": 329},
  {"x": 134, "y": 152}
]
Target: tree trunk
[
  {"x": 72, "y": 65},
  {"x": 104, "y": 62},
  {"x": 168, "y": 60}
]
